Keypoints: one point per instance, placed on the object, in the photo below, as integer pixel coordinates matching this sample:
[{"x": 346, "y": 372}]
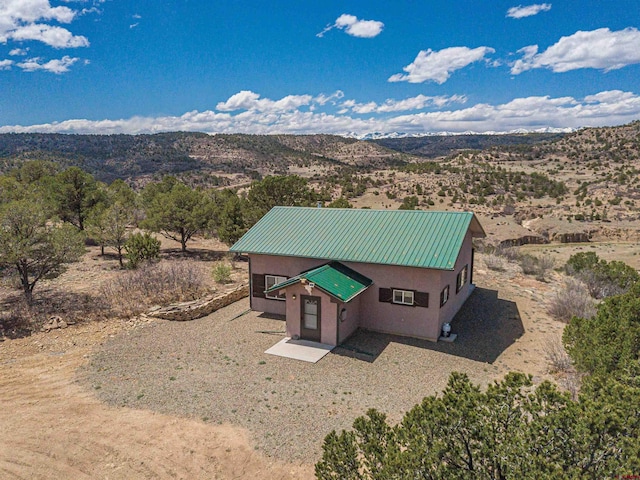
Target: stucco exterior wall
[
  {"x": 351, "y": 320},
  {"x": 328, "y": 313},
  {"x": 366, "y": 310},
  {"x": 456, "y": 300}
]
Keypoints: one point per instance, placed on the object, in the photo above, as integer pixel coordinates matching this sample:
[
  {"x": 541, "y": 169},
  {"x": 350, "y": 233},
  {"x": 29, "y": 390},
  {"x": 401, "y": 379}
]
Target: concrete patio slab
[{"x": 300, "y": 350}]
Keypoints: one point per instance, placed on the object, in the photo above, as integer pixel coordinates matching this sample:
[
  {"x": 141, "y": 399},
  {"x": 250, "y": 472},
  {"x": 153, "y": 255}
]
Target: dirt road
[{"x": 52, "y": 428}]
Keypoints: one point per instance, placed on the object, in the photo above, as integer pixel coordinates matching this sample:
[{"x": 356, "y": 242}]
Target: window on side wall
[
  {"x": 444, "y": 296},
  {"x": 403, "y": 297},
  {"x": 270, "y": 281},
  {"x": 461, "y": 280}
]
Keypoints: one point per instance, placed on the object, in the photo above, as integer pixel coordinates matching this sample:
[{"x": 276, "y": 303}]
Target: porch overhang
[{"x": 334, "y": 278}]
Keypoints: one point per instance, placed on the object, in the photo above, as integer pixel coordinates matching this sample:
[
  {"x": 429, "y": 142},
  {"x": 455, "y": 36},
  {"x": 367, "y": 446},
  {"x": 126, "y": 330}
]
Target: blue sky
[{"x": 414, "y": 66}]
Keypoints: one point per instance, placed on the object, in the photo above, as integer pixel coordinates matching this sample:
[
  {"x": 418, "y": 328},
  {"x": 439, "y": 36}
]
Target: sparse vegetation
[
  {"x": 571, "y": 300},
  {"x": 221, "y": 272},
  {"x": 603, "y": 279},
  {"x": 140, "y": 248},
  {"x": 33, "y": 245},
  {"x": 495, "y": 262},
  {"x": 538, "y": 266},
  {"x": 154, "y": 284}
]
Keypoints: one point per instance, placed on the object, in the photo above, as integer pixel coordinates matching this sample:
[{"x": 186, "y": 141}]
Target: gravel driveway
[{"x": 214, "y": 369}]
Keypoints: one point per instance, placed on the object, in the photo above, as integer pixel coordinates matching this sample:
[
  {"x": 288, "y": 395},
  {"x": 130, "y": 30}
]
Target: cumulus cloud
[
  {"x": 601, "y": 49},
  {"x": 437, "y": 66},
  {"x": 6, "y": 64},
  {"x": 419, "y": 102},
  {"x": 528, "y": 11},
  {"x": 251, "y": 101},
  {"x": 18, "y": 52},
  {"x": 22, "y": 20},
  {"x": 612, "y": 107},
  {"x": 355, "y": 27},
  {"x": 57, "y": 66}
]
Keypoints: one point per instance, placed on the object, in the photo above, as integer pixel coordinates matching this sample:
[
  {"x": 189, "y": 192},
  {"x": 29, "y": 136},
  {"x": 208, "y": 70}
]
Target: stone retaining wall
[
  {"x": 525, "y": 240},
  {"x": 199, "y": 308}
]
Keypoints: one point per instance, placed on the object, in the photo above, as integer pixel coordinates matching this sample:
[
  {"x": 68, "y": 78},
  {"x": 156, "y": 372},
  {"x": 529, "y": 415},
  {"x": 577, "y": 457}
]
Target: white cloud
[
  {"x": 528, "y": 11},
  {"x": 6, "y": 64},
  {"x": 355, "y": 27},
  {"x": 18, "y": 52},
  {"x": 437, "y": 66},
  {"x": 22, "y": 20},
  {"x": 53, "y": 36},
  {"x": 54, "y": 66},
  {"x": 612, "y": 107},
  {"x": 601, "y": 49},
  {"x": 418, "y": 102},
  {"x": 248, "y": 100}
]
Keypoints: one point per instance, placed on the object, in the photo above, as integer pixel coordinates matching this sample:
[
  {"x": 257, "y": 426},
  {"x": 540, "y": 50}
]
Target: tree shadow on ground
[
  {"x": 19, "y": 320},
  {"x": 203, "y": 254},
  {"x": 486, "y": 326}
]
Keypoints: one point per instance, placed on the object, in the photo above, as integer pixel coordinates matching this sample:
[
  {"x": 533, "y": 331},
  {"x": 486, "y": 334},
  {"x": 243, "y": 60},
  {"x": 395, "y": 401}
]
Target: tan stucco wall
[
  {"x": 366, "y": 309},
  {"x": 352, "y": 319},
  {"x": 328, "y": 313},
  {"x": 456, "y": 301}
]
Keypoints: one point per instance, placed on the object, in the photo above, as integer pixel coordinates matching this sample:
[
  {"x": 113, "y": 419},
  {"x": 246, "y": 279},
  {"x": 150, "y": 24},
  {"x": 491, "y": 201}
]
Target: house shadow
[{"x": 486, "y": 326}]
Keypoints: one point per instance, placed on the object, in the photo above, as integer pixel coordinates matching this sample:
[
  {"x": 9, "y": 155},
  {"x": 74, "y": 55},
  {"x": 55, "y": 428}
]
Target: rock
[
  {"x": 199, "y": 308},
  {"x": 54, "y": 323}
]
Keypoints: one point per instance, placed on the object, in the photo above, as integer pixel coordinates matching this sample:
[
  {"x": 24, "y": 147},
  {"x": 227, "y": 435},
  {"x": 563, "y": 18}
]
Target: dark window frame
[
  {"x": 444, "y": 298},
  {"x": 460, "y": 285}
]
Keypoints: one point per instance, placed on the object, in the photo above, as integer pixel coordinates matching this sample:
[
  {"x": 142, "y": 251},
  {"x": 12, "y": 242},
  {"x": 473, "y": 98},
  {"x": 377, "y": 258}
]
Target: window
[
  {"x": 462, "y": 278},
  {"x": 444, "y": 295},
  {"x": 403, "y": 297},
  {"x": 270, "y": 281}
]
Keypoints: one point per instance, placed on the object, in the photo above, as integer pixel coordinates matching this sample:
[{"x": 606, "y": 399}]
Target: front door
[{"x": 310, "y": 318}]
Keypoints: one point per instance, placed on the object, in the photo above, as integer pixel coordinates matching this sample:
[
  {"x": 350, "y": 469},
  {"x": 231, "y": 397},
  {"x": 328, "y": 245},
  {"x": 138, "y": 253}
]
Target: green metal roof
[
  {"x": 412, "y": 238},
  {"x": 334, "y": 278}
]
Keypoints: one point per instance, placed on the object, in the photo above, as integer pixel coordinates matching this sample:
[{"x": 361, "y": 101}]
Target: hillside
[
  {"x": 440, "y": 146},
  {"x": 135, "y": 156}
]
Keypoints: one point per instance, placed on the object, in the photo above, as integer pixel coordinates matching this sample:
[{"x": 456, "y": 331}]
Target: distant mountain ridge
[
  {"x": 380, "y": 135},
  {"x": 152, "y": 155}
]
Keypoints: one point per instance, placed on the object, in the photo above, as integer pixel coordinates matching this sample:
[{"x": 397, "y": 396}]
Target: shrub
[
  {"x": 558, "y": 356},
  {"x": 222, "y": 272},
  {"x": 155, "y": 283},
  {"x": 409, "y": 203},
  {"x": 538, "y": 266},
  {"x": 140, "y": 248},
  {"x": 572, "y": 300},
  {"x": 494, "y": 262},
  {"x": 581, "y": 261},
  {"x": 609, "y": 342},
  {"x": 603, "y": 279},
  {"x": 510, "y": 253}
]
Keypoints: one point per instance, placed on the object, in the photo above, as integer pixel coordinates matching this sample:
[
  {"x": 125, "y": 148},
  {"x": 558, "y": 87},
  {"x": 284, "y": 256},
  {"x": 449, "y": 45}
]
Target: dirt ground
[{"x": 54, "y": 428}]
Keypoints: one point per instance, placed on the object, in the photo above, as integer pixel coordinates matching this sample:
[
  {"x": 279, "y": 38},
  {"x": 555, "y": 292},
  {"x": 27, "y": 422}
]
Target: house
[{"x": 331, "y": 271}]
